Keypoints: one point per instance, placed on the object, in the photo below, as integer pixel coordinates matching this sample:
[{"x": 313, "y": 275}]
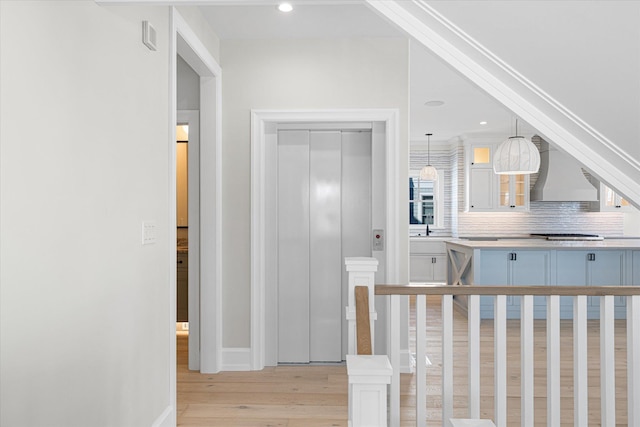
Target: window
[
  {"x": 425, "y": 201},
  {"x": 420, "y": 201}
]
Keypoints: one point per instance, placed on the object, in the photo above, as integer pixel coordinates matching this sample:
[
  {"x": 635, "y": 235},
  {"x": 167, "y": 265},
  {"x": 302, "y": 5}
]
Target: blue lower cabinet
[
  {"x": 553, "y": 267},
  {"x": 591, "y": 268},
  {"x": 510, "y": 267}
]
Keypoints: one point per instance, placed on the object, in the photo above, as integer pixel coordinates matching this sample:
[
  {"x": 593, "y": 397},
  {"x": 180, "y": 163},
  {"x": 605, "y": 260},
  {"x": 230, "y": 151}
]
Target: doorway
[
  {"x": 188, "y": 231},
  {"x": 324, "y": 215},
  {"x": 204, "y": 233}
]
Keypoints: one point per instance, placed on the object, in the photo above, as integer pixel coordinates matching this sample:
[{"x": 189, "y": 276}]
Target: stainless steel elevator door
[{"x": 324, "y": 214}]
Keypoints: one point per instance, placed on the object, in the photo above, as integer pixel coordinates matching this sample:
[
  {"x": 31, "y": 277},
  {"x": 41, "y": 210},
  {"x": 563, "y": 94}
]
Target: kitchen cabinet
[
  {"x": 513, "y": 267},
  {"x": 488, "y": 191},
  {"x": 182, "y": 287},
  {"x": 635, "y": 268},
  {"x": 513, "y": 192},
  {"x": 610, "y": 201},
  {"x": 481, "y": 194},
  {"x": 590, "y": 267},
  {"x": 427, "y": 260},
  {"x": 612, "y": 262}
]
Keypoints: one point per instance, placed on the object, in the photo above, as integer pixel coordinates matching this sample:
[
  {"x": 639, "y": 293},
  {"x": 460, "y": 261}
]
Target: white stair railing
[{"x": 580, "y": 351}]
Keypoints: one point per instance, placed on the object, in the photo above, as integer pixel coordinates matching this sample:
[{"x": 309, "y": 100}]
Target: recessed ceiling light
[
  {"x": 285, "y": 7},
  {"x": 483, "y": 123},
  {"x": 434, "y": 103}
]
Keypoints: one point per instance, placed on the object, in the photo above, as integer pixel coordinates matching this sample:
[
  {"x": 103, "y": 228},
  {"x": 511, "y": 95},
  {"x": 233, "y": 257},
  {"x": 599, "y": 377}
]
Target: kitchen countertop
[{"x": 547, "y": 244}]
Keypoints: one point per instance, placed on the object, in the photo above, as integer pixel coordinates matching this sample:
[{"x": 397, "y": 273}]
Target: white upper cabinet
[
  {"x": 488, "y": 191},
  {"x": 610, "y": 201}
]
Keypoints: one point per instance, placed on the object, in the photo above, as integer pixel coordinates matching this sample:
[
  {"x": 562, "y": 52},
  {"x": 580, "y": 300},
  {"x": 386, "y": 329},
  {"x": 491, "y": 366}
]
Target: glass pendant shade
[
  {"x": 428, "y": 173},
  {"x": 516, "y": 155}
]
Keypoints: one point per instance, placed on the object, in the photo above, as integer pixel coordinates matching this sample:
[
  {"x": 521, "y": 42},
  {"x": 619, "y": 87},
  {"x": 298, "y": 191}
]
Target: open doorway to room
[
  {"x": 188, "y": 234},
  {"x": 196, "y": 171}
]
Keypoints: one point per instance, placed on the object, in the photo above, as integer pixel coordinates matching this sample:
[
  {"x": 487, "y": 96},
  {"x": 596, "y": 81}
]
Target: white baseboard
[
  {"x": 236, "y": 359},
  {"x": 166, "y": 419}
]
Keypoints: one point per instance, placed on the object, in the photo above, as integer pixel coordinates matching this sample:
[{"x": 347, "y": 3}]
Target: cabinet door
[
  {"x": 571, "y": 269},
  {"x": 611, "y": 201},
  {"x": 481, "y": 189},
  {"x": 513, "y": 192},
  {"x": 606, "y": 269},
  {"x": 529, "y": 268},
  {"x": 440, "y": 268},
  {"x": 182, "y": 288},
  {"x": 493, "y": 270},
  {"x": 420, "y": 269},
  {"x": 635, "y": 268}
]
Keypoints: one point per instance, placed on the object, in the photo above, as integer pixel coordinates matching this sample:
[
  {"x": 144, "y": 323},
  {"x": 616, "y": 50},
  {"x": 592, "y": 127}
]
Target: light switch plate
[
  {"x": 378, "y": 240},
  {"x": 148, "y": 232}
]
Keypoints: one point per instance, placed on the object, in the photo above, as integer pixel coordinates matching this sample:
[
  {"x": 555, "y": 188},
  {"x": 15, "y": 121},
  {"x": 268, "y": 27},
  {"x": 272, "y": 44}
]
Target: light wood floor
[{"x": 309, "y": 396}]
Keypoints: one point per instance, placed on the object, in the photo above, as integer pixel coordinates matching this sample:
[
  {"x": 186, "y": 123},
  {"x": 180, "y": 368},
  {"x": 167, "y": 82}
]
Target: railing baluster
[
  {"x": 526, "y": 360},
  {"x": 500, "y": 360},
  {"x": 607, "y": 362},
  {"x": 421, "y": 369},
  {"x": 580, "y": 383},
  {"x": 553, "y": 361},
  {"x": 447, "y": 359},
  {"x": 394, "y": 358},
  {"x": 633, "y": 360},
  {"x": 473, "y": 321}
]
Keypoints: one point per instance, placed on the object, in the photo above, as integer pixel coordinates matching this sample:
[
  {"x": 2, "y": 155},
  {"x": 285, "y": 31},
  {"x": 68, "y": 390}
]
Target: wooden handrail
[
  {"x": 363, "y": 325},
  {"x": 506, "y": 290}
]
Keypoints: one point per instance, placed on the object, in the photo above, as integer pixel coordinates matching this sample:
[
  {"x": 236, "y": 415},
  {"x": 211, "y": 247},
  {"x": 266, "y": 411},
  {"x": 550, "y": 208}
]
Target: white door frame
[
  {"x": 262, "y": 133},
  {"x": 184, "y": 42}
]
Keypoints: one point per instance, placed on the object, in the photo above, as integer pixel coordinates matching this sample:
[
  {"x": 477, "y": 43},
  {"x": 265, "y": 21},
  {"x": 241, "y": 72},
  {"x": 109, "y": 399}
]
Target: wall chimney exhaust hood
[{"x": 561, "y": 178}]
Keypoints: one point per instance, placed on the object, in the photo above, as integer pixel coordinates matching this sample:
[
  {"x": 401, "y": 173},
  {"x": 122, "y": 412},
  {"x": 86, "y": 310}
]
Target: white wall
[
  {"x": 188, "y": 87},
  {"x": 293, "y": 74},
  {"x": 84, "y": 160},
  {"x": 586, "y": 54}
]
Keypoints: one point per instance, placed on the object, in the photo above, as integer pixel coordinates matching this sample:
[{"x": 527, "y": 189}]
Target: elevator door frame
[{"x": 387, "y": 202}]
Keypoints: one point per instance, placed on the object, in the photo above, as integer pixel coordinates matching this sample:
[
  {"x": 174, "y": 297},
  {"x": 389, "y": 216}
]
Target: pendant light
[
  {"x": 428, "y": 173},
  {"x": 516, "y": 155}
]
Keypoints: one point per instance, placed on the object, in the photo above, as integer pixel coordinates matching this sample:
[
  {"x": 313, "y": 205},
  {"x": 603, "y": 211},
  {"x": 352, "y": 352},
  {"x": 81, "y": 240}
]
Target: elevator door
[{"x": 324, "y": 214}]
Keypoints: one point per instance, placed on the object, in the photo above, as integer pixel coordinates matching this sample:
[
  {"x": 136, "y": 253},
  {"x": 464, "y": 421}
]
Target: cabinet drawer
[{"x": 424, "y": 246}]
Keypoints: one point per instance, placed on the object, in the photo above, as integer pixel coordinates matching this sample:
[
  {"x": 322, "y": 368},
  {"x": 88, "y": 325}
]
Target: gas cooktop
[{"x": 568, "y": 236}]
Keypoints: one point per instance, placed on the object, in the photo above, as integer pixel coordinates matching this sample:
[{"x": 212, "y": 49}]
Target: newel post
[
  {"x": 362, "y": 272},
  {"x": 368, "y": 374}
]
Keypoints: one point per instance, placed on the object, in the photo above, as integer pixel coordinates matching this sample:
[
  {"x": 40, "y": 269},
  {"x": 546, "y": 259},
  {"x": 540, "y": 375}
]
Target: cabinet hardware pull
[
  {"x": 180, "y": 262},
  {"x": 433, "y": 260}
]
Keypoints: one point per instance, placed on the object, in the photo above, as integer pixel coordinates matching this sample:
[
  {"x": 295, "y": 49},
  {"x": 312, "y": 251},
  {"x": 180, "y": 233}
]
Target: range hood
[{"x": 561, "y": 179}]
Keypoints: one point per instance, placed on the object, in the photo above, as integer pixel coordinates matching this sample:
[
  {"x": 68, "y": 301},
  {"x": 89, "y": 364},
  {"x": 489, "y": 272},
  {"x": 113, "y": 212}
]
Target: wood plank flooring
[{"x": 313, "y": 396}]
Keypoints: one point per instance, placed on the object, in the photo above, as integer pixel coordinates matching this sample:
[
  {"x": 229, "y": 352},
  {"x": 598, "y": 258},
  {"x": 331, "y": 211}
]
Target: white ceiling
[{"x": 465, "y": 106}]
